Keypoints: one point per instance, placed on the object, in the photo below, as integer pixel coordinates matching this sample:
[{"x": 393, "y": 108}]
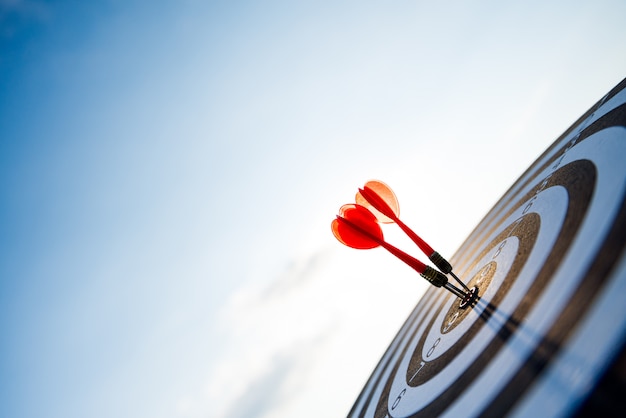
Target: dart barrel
[
  {"x": 434, "y": 277},
  {"x": 441, "y": 263}
]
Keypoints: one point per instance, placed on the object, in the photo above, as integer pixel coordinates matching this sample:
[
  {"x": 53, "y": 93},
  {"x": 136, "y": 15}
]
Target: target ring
[{"x": 543, "y": 260}]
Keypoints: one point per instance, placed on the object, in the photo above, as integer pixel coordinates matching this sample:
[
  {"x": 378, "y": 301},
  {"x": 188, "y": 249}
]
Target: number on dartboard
[
  {"x": 398, "y": 399},
  {"x": 432, "y": 349},
  {"x": 422, "y": 363},
  {"x": 499, "y": 250},
  {"x": 451, "y": 322},
  {"x": 483, "y": 274}
]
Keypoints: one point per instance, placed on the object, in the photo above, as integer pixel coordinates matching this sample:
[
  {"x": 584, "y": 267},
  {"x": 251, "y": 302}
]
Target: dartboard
[{"x": 546, "y": 335}]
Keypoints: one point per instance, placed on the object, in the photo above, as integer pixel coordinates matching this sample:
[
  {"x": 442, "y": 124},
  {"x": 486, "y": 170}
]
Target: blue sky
[{"x": 169, "y": 171}]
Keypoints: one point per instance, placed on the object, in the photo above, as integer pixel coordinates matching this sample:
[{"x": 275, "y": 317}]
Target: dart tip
[
  {"x": 467, "y": 298},
  {"x": 470, "y": 298}
]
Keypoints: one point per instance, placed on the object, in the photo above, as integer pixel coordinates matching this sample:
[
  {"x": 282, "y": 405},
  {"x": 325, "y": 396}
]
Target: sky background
[{"x": 169, "y": 171}]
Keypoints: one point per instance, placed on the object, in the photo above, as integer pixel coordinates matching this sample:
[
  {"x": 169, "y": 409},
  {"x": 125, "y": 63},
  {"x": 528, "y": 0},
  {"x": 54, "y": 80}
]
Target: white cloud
[{"x": 323, "y": 322}]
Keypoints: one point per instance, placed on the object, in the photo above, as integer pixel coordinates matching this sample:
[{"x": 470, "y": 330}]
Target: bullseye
[{"x": 470, "y": 297}]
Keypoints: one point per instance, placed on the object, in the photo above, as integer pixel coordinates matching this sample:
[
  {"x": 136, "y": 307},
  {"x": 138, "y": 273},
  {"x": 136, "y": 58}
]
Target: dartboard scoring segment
[{"x": 549, "y": 267}]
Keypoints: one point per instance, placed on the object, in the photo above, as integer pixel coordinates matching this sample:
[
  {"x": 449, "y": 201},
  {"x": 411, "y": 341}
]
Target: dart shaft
[
  {"x": 455, "y": 290},
  {"x": 426, "y": 249},
  {"x": 459, "y": 281}
]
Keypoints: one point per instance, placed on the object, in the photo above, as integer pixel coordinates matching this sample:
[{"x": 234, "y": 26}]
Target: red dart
[
  {"x": 357, "y": 227},
  {"x": 383, "y": 200}
]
